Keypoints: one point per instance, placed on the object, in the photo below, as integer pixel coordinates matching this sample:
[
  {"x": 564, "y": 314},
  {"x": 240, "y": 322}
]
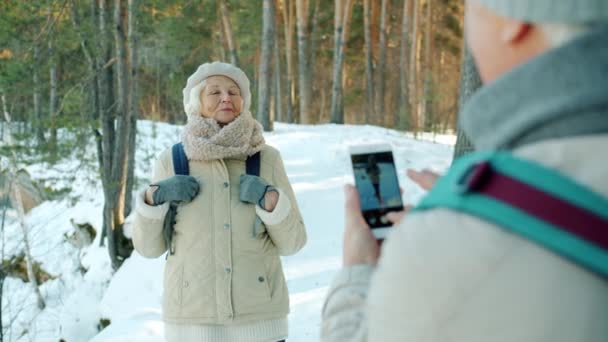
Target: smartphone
[{"x": 377, "y": 183}]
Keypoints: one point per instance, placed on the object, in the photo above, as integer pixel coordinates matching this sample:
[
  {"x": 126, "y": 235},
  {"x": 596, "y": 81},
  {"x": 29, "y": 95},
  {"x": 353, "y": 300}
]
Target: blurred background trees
[{"x": 343, "y": 56}]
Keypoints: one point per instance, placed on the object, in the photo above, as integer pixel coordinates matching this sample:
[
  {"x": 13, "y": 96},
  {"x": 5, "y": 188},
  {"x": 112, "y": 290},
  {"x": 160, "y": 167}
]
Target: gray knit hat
[
  {"x": 194, "y": 85},
  {"x": 551, "y": 11}
]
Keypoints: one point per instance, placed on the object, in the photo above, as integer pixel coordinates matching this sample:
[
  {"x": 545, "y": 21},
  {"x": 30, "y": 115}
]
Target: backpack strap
[
  {"x": 252, "y": 164},
  {"x": 180, "y": 167},
  {"x": 531, "y": 200},
  {"x": 252, "y": 167},
  {"x": 180, "y": 161}
]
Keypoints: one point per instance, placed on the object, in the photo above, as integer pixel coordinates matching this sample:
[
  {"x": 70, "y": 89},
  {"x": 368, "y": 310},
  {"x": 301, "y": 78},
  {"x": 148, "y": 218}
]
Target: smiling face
[{"x": 221, "y": 99}]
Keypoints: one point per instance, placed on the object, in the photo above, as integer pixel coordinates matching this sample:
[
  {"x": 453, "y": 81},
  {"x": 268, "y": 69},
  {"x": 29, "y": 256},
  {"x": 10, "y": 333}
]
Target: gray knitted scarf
[
  {"x": 562, "y": 93},
  {"x": 204, "y": 139}
]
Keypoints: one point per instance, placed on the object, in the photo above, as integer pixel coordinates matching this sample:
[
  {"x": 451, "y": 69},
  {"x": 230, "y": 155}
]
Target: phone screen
[{"x": 378, "y": 186}]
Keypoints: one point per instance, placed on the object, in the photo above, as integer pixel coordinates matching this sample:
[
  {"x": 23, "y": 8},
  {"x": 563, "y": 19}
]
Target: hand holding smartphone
[{"x": 377, "y": 183}]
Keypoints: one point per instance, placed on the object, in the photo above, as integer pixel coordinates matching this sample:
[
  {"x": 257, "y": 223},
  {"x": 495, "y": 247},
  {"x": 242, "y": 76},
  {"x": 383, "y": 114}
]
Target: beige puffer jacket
[{"x": 221, "y": 273}]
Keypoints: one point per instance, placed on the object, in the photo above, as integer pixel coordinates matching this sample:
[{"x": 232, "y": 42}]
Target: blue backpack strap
[
  {"x": 531, "y": 200},
  {"x": 252, "y": 167},
  {"x": 180, "y": 161},
  {"x": 180, "y": 167},
  {"x": 252, "y": 164}
]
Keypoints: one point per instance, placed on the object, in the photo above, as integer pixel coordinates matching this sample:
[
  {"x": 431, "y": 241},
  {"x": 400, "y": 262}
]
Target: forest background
[{"x": 382, "y": 62}]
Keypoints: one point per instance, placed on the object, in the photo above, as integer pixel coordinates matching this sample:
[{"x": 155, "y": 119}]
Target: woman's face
[{"x": 221, "y": 99}]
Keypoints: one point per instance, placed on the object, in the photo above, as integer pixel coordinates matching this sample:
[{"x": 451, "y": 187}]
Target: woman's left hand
[
  {"x": 271, "y": 198},
  {"x": 256, "y": 190}
]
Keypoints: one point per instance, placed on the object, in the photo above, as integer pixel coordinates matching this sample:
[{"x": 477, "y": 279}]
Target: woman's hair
[
  {"x": 194, "y": 106},
  {"x": 560, "y": 34}
]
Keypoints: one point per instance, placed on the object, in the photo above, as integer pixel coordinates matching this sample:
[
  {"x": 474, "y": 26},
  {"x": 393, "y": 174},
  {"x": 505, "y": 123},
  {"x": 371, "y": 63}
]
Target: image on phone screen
[{"x": 378, "y": 186}]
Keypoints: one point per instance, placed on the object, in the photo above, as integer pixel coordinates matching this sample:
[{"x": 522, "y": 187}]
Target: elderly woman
[{"x": 223, "y": 279}]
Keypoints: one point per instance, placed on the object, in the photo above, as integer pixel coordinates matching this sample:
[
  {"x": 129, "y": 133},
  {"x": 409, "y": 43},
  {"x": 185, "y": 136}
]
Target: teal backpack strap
[{"x": 531, "y": 200}]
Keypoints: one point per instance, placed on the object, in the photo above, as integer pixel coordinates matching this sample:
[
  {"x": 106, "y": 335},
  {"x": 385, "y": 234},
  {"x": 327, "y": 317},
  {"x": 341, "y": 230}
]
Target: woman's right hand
[{"x": 178, "y": 188}]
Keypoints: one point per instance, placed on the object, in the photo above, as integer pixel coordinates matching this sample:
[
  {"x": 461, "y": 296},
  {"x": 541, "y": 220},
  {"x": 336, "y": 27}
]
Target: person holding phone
[{"x": 445, "y": 275}]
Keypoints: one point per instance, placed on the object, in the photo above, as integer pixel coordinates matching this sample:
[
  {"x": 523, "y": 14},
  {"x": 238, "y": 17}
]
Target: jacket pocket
[
  {"x": 251, "y": 287},
  {"x": 198, "y": 290},
  {"x": 172, "y": 288}
]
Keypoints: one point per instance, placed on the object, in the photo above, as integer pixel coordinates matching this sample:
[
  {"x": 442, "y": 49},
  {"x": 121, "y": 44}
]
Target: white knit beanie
[
  {"x": 194, "y": 85},
  {"x": 552, "y": 11}
]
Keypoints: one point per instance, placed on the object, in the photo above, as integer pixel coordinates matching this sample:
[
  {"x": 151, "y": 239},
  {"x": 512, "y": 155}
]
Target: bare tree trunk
[
  {"x": 118, "y": 246},
  {"x": 369, "y": 67},
  {"x": 463, "y": 145},
  {"x": 119, "y": 154},
  {"x": 444, "y": 119},
  {"x": 278, "y": 98},
  {"x": 37, "y": 119},
  {"x": 427, "y": 102},
  {"x": 228, "y": 33},
  {"x": 304, "y": 77},
  {"x": 264, "y": 83},
  {"x": 222, "y": 38},
  {"x": 314, "y": 44},
  {"x": 403, "y": 119},
  {"x": 157, "y": 84},
  {"x": 132, "y": 13},
  {"x": 21, "y": 213},
  {"x": 470, "y": 82},
  {"x": 336, "y": 114},
  {"x": 382, "y": 59},
  {"x": 413, "y": 63},
  {"x": 106, "y": 93},
  {"x": 314, "y": 37},
  {"x": 96, "y": 68},
  {"x": 288, "y": 15},
  {"x": 341, "y": 18},
  {"x": 53, "y": 96},
  {"x": 106, "y": 116}
]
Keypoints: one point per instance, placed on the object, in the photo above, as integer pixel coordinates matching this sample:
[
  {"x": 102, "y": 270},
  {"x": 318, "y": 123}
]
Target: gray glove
[
  {"x": 253, "y": 189},
  {"x": 178, "y": 188}
]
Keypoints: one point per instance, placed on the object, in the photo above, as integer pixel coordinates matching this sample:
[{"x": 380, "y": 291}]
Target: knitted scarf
[{"x": 204, "y": 139}]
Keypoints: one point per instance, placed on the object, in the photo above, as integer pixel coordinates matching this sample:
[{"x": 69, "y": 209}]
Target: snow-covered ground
[{"x": 85, "y": 290}]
